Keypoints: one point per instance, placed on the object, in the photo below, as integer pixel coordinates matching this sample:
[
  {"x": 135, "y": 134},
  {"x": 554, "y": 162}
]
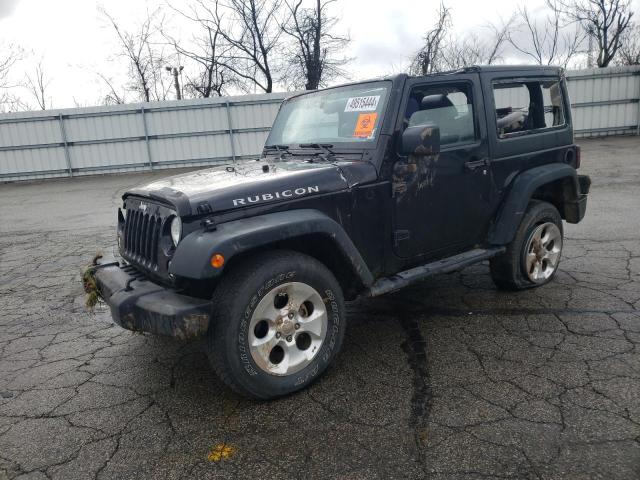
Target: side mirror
[{"x": 421, "y": 140}]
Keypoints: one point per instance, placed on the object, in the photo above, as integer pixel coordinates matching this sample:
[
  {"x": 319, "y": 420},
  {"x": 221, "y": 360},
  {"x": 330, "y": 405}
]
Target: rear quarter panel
[{"x": 510, "y": 156}]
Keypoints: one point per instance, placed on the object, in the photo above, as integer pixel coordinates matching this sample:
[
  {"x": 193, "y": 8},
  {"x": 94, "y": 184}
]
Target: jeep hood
[{"x": 254, "y": 182}]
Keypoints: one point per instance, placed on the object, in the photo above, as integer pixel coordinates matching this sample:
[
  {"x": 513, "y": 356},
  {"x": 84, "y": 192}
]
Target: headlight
[{"x": 176, "y": 230}]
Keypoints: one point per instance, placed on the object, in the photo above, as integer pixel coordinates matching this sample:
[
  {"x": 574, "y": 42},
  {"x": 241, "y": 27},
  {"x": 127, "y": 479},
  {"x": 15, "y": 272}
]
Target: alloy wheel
[
  {"x": 542, "y": 252},
  {"x": 287, "y": 328}
]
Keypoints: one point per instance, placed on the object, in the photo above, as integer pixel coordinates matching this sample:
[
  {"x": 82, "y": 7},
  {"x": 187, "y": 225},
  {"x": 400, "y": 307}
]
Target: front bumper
[{"x": 140, "y": 305}]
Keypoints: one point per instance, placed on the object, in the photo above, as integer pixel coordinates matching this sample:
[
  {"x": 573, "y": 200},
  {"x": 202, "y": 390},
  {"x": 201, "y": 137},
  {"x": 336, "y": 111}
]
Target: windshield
[{"x": 338, "y": 115}]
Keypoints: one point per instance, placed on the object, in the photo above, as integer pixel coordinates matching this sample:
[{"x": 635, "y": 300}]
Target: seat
[
  {"x": 438, "y": 110},
  {"x": 430, "y": 102}
]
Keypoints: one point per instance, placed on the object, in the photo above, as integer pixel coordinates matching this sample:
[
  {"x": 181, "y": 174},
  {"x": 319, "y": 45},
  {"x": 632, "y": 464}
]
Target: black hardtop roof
[
  {"x": 528, "y": 69},
  {"x": 516, "y": 69},
  {"x": 544, "y": 70}
]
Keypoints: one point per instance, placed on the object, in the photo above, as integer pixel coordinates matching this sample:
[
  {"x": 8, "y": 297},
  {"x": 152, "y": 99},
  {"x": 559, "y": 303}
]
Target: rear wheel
[
  {"x": 532, "y": 258},
  {"x": 542, "y": 252},
  {"x": 278, "y": 322}
]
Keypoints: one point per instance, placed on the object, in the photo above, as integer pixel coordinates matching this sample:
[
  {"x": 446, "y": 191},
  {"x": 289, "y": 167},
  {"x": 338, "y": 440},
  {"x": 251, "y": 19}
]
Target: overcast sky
[{"x": 74, "y": 41}]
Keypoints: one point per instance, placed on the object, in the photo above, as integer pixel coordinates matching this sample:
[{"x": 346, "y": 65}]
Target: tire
[
  {"x": 527, "y": 262},
  {"x": 268, "y": 336}
]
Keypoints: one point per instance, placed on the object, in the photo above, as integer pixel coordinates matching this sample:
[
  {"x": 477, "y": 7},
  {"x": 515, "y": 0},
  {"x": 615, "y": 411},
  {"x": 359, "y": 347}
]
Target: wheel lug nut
[
  {"x": 290, "y": 314},
  {"x": 289, "y": 338},
  {"x": 278, "y": 335},
  {"x": 297, "y": 326}
]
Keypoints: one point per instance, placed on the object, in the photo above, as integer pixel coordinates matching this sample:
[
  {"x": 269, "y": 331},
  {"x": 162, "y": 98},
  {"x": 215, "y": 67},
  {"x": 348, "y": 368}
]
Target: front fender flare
[
  {"x": 192, "y": 257},
  {"x": 522, "y": 189}
]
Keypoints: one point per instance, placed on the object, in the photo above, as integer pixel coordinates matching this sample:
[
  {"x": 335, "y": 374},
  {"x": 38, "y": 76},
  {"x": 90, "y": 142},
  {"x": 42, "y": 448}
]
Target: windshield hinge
[{"x": 204, "y": 208}]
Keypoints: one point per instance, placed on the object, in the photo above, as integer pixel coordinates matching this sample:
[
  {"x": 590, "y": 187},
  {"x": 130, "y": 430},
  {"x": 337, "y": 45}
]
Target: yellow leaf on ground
[{"x": 221, "y": 451}]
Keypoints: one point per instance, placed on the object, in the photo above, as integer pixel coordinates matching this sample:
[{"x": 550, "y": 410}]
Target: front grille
[
  {"x": 144, "y": 236},
  {"x": 141, "y": 237}
]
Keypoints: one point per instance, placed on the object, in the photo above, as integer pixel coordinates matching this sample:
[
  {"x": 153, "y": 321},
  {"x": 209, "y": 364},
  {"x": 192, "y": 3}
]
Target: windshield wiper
[
  {"x": 325, "y": 147},
  {"x": 276, "y": 147},
  {"x": 282, "y": 149}
]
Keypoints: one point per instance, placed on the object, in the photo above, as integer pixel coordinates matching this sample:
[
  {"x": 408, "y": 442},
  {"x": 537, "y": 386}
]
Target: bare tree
[
  {"x": 603, "y": 21},
  {"x": 630, "y": 47},
  {"x": 251, "y": 31},
  {"x": 547, "y": 41},
  {"x": 206, "y": 75},
  {"x": 429, "y": 59},
  {"x": 115, "y": 95},
  {"x": 37, "y": 84},
  {"x": 9, "y": 56},
  {"x": 475, "y": 49},
  {"x": 145, "y": 57},
  {"x": 82, "y": 103},
  {"x": 314, "y": 59},
  {"x": 499, "y": 36}
]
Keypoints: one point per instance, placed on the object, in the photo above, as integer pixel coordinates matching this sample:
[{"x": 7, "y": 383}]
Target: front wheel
[
  {"x": 277, "y": 323},
  {"x": 532, "y": 258}
]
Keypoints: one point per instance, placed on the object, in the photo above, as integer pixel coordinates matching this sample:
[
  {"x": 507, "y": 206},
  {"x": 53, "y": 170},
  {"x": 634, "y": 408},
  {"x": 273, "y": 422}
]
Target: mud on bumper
[{"x": 140, "y": 305}]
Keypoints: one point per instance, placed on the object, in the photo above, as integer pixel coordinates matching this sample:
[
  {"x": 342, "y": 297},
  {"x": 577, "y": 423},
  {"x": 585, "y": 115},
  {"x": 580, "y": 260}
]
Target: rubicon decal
[{"x": 266, "y": 197}]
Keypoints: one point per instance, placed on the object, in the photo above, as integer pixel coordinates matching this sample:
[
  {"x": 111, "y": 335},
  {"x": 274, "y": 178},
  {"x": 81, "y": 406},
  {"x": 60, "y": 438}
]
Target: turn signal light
[{"x": 217, "y": 260}]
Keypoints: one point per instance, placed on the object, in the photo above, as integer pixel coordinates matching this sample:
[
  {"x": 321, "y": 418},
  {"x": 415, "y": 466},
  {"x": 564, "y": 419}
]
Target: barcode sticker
[{"x": 362, "y": 104}]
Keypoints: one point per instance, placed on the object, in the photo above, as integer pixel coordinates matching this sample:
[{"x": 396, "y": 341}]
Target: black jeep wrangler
[{"x": 361, "y": 189}]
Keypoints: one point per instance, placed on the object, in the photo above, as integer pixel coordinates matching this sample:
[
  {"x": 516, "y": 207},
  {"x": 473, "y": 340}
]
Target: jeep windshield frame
[{"x": 346, "y": 117}]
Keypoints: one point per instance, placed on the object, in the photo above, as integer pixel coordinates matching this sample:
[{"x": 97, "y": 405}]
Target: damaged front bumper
[{"x": 138, "y": 304}]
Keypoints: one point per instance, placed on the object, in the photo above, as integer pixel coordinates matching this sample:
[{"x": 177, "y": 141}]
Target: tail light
[{"x": 578, "y": 156}]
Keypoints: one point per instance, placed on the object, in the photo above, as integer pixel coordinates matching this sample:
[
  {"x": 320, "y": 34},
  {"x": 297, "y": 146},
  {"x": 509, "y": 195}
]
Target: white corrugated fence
[
  {"x": 81, "y": 141},
  {"x": 605, "y": 101}
]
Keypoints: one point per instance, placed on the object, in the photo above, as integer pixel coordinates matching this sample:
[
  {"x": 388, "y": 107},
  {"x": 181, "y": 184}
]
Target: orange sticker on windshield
[{"x": 365, "y": 125}]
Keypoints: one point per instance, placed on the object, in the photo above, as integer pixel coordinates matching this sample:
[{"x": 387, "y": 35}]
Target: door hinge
[{"x": 400, "y": 235}]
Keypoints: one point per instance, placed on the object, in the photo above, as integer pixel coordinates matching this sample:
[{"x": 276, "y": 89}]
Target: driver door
[{"x": 441, "y": 202}]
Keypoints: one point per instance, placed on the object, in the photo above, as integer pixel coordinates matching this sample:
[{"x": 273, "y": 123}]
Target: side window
[
  {"x": 553, "y": 104},
  {"x": 449, "y": 107},
  {"x": 524, "y": 107}
]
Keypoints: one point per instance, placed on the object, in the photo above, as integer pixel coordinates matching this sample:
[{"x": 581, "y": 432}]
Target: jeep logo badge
[{"x": 265, "y": 197}]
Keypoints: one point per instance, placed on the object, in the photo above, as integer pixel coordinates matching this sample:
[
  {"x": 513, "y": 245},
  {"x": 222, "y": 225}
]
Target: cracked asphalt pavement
[{"x": 450, "y": 378}]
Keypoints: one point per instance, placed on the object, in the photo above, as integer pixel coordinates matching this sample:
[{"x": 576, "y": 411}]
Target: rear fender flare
[{"x": 520, "y": 194}]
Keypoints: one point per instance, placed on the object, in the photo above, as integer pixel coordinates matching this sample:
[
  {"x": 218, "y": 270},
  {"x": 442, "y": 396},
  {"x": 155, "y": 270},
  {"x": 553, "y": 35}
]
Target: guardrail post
[
  {"x": 146, "y": 138},
  {"x": 233, "y": 146},
  {"x": 63, "y": 134}
]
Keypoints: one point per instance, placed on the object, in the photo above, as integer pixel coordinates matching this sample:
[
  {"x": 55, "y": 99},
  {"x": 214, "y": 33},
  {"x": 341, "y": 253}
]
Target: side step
[{"x": 446, "y": 265}]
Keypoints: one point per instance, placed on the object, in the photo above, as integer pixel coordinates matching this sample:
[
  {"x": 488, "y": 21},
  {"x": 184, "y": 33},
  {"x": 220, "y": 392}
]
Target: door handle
[{"x": 474, "y": 164}]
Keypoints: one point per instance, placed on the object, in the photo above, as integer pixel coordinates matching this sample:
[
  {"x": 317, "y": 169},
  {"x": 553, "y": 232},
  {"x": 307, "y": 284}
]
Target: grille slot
[{"x": 141, "y": 237}]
